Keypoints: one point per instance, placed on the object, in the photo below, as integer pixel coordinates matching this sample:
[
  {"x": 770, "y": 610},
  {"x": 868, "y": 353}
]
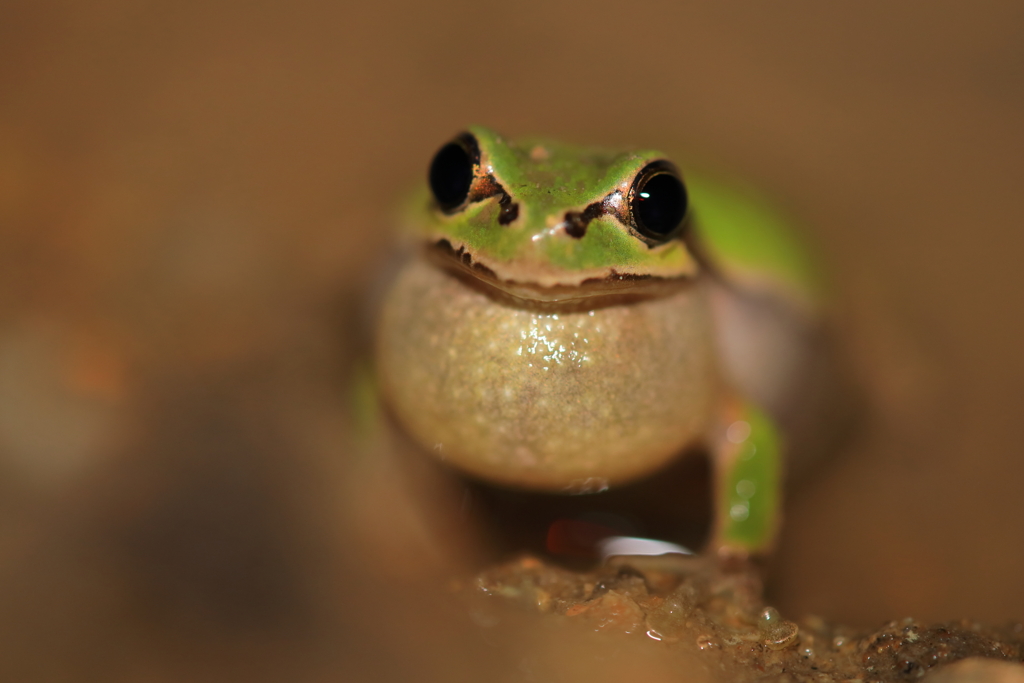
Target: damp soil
[{"x": 716, "y": 613}]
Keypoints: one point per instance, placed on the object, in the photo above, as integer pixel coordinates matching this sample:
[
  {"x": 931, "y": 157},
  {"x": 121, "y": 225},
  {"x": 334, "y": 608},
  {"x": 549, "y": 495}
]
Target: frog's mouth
[{"x": 612, "y": 289}]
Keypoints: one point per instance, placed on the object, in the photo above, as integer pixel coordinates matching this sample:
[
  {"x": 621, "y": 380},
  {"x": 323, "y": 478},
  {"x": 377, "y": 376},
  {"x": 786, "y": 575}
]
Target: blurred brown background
[{"x": 193, "y": 197}]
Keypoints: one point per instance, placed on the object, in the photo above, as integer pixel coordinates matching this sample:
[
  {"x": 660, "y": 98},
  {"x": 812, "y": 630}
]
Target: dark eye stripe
[{"x": 576, "y": 222}]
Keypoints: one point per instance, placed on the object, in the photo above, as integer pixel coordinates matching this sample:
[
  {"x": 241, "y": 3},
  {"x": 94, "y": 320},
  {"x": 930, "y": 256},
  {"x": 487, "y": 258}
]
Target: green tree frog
[{"x": 577, "y": 318}]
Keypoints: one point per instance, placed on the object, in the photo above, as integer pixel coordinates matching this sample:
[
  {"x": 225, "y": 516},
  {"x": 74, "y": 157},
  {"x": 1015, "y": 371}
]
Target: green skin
[{"x": 535, "y": 358}]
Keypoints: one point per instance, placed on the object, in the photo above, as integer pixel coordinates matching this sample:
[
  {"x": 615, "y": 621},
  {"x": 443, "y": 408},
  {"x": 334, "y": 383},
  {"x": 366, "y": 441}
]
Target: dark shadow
[{"x": 672, "y": 505}]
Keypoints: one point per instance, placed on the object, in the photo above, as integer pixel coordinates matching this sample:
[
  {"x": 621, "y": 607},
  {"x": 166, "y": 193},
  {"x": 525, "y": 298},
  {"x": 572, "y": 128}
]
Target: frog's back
[
  {"x": 771, "y": 310},
  {"x": 752, "y": 243}
]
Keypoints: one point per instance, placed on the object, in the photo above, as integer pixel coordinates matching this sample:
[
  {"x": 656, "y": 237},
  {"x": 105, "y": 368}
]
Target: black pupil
[
  {"x": 660, "y": 204},
  {"x": 451, "y": 174}
]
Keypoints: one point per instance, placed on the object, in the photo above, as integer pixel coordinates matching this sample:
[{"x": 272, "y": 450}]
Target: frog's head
[{"x": 551, "y": 222}]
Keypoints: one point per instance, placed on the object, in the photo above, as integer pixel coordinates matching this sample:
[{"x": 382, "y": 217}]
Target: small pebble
[{"x": 778, "y": 634}]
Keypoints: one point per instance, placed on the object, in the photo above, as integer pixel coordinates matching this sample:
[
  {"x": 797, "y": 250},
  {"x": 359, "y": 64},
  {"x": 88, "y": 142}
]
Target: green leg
[{"x": 748, "y": 469}]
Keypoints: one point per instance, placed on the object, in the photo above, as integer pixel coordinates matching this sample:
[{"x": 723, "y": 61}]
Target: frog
[{"x": 576, "y": 318}]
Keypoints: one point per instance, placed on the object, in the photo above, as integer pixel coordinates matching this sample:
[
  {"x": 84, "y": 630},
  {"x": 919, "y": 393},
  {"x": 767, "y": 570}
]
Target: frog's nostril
[
  {"x": 509, "y": 210},
  {"x": 575, "y": 226}
]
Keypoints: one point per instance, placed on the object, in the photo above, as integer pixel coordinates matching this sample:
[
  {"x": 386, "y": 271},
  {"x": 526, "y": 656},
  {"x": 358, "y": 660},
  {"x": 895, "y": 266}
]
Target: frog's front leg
[{"x": 746, "y": 453}]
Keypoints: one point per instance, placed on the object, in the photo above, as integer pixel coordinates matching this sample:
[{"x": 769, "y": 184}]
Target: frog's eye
[
  {"x": 452, "y": 171},
  {"x": 658, "y": 201}
]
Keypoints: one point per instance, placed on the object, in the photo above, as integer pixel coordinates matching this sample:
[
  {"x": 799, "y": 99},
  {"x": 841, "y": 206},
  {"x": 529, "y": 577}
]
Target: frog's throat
[{"x": 612, "y": 290}]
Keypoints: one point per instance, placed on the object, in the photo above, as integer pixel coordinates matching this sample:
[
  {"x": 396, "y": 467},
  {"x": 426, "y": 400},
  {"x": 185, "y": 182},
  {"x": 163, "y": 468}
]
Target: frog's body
[{"x": 561, "y": 334}]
